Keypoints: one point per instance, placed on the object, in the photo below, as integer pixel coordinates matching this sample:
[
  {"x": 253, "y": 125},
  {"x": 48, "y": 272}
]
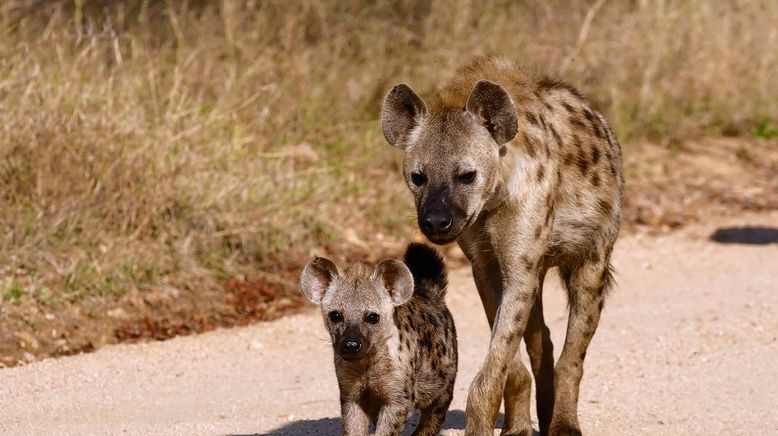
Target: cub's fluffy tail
[{"x": 428, "y": 270}]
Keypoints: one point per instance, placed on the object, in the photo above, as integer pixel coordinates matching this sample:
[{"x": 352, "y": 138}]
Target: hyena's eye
[
  {"x": 372, "y": 318},
  {"x": 418, "y": 179},
  {"x": 466, "y": 178},
  {"x": 335, "y": 316}
]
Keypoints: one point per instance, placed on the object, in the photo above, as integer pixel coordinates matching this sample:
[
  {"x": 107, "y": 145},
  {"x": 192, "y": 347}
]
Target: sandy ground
[{"x": 688, "y": 345}]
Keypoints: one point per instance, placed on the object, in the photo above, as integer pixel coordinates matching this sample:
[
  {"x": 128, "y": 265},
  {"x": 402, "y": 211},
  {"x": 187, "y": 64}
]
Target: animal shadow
[
  {"x": 455, "y": 420},
  {"x": 745, "y": 235}
]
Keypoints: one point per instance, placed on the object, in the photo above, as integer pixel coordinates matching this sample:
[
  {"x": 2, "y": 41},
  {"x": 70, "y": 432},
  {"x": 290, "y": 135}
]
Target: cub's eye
[
  {"x": 467, "y": 178},
  {"x": 418, "y": 179},
  {"x": 335, "y": 316},
  {"x": 372, "y": 318}
]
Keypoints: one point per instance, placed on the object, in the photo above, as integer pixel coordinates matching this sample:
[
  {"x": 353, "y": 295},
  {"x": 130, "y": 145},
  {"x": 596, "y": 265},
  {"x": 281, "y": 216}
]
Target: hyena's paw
[
  {"x": 564, "y": 430},
  {"x": 519, "y": 433}
]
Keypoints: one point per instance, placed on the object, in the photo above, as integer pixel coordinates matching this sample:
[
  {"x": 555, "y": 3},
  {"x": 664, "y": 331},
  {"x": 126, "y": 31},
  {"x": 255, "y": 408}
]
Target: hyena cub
[{"x": 394, "y": 339}]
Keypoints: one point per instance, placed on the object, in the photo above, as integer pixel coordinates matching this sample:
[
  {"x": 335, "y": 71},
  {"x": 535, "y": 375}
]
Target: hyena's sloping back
[{"x": 517, "y": 81}]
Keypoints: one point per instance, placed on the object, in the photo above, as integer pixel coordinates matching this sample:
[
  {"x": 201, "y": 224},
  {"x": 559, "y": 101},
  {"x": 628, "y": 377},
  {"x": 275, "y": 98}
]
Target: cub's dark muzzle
[{"x": 351, "y": 345}]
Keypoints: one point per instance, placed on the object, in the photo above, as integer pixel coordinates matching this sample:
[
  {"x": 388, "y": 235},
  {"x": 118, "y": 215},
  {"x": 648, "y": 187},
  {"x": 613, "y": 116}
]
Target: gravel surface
[{"x": 688, "y": 344}]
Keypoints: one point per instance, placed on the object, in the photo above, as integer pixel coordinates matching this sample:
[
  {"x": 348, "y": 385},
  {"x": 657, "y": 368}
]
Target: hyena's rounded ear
[
  {"x": 397, "y": 279},
  {"x": 317, "y": 277},
  {"x": 493, "y": 107},
  {"x": 401, "y": 112}
]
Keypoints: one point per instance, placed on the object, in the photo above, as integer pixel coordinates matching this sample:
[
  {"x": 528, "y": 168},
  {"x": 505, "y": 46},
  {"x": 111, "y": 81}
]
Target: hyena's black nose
[
  {"x": 436, "y": 222},
  {"x": 350, "y": 346}
]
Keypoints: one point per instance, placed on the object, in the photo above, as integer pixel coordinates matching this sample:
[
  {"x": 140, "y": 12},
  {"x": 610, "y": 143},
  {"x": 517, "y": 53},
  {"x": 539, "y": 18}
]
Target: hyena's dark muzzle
[{"x": 437, "y": 216}]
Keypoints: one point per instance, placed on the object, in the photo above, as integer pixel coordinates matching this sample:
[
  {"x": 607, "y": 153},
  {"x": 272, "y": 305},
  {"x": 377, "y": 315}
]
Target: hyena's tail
[{"x": 428, "y": 270}]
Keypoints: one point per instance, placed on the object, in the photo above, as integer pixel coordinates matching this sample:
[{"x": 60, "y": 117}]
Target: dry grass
[{"x": 149, "y": 144}]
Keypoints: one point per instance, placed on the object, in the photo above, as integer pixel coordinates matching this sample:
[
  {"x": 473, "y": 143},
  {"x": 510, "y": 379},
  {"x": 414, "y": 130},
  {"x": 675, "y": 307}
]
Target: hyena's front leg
[
  {"x": 519, "y": 259},
  {"x": 488, "y": 281},
  {"x": 586, "y": 285},
  {"x": 355, "y": 420}
]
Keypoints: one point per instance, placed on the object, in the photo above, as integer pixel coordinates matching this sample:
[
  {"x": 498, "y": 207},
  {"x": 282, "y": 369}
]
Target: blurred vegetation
[{"x": 148, "y": 143}]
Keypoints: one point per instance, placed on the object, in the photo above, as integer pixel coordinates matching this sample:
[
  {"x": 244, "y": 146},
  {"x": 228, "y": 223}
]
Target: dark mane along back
[{"x": 428, "y": 270}]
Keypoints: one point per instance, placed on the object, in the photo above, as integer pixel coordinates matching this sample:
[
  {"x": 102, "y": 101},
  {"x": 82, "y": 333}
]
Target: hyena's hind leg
[
  {"x": 586, "y": 285},
  {"x": 541, "y": 355}
]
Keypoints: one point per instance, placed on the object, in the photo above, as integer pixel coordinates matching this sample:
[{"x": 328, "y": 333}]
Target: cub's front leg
[
  {"x": 355, "y": 420},
  {"x": 392, "y": 418}
]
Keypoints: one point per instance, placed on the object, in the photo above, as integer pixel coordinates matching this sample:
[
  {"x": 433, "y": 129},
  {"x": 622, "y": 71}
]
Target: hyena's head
[
  {"x": 452, "y": 155},
  {"x": 358, "y": 303}
]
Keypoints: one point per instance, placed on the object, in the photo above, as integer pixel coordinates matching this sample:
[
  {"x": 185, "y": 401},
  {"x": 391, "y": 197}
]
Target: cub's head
[
  {"x": 357, "y": 303},
  {"x": 452, "y": 155}
]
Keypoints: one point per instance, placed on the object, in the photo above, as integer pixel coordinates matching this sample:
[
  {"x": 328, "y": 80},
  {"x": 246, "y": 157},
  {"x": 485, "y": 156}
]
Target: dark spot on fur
[
  {"x": 555, "y": 134},
  {"x": 548, "y": 106},
  {"x": 577, "y": 142},
  {"x": 583, "y": 163},
  {"x": 569, "y": 158},
  {"x": 597, "y": 131},
  {"x": 542, "y": 121},
  {"x": 503, "y": 150},
  {"x": 525, "y": 260},
  {"x": 512, "y": 337},
  {"x": 531, "y": 118},
  {"x": 600, "y": 305},
  {"x": 577, "y": 123},
  {"x": 541, "y": 172},
  {"x": 529, "y": 145},
  {"x": 549, "y": 212},
  {"x": 604, "y": 206},
  {"x": 595, "y": 154},
  {"x": 568, "y": 107},
  {"x": 595, "y": 180},
  {"x": 589, "y": 116},
  {"x": 538, "y": 229}
]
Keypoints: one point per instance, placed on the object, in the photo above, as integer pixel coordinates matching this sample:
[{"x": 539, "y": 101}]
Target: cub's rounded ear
[
  {"x": 401, "y": 112},
  {"x": 317, "y": 277},
  {"x": 493, "y": 107},
  {"x": 397, "y": 280}
]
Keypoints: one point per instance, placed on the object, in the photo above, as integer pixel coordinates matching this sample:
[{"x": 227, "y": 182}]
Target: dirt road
[{"x": 688, "y": 345}]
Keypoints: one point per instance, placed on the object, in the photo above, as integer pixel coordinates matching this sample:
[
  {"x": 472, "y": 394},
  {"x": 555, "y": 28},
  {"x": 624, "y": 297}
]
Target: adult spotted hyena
[{"x": 525, "y": 175}]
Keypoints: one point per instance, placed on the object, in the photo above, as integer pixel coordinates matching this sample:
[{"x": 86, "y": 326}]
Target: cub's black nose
[
  {"x": 350, "y": 346},
  {"x": 436, "y": 222}
]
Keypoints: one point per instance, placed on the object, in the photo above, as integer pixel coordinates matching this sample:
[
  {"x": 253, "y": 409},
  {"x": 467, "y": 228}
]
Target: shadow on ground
[
  {"x": 455, "y": 420},
  {"x": 746, "y": 235}
]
